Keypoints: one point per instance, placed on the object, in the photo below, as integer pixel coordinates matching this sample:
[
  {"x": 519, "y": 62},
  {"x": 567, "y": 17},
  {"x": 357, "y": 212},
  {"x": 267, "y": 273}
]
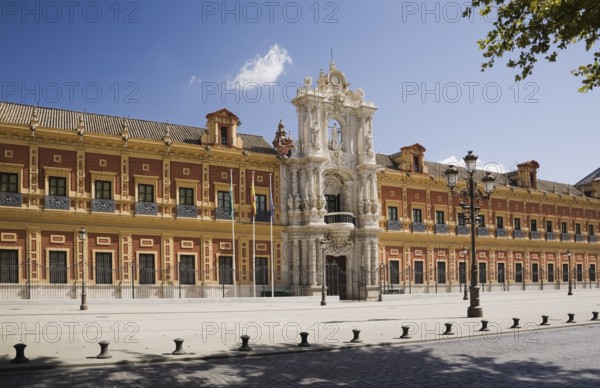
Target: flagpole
[
  {"x": 232, "y": 201},
  {"x": 253, "y": 199},
  {"x": 271, "y": 231}
]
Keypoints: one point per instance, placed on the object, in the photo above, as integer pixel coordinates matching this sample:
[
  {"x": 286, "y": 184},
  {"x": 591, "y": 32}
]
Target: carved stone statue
[
  {"x": 290, "y": 202},
  {"x": 335, "y": 138},
  {"x": 315, "y": 136}
]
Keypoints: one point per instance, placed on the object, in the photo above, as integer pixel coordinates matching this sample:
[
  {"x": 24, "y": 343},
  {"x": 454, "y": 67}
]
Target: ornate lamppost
[
  {"x": 323, "y": 242},
  {"x": 82, "y": 238},
  {"x": 471, "y": 194},
  {"x": 569, "y": 254}
]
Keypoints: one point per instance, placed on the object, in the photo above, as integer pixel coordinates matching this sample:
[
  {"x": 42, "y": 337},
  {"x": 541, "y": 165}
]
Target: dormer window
[
  {"x": 224, "y": 136},
  {"x": 416, "y": 164},
  {"x": 532, "y": 180}
]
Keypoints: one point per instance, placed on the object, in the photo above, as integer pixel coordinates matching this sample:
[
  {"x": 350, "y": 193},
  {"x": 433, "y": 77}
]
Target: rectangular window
[
  {"x": 551, "y": 272},
  {"x": 58, "y": 186},
  {"x": 187, "y": 269},
  {"x": 482, "y": 272},
  {"x": 147, "y": 269},
  {"x": 186, "y": 196},
  {"x": 104, "y": 270},
  {"x": 534, "y": 225},
  {"x": 482, "y": 221},
  {"x": 591, "y": 229},
  {"x": 518, "y": 272},
  {"x": 593, "y": 272},
  {"x": 9, "y": 183},
  {"x": 418, "y": 272},
  {"x": 577, "y": 228},
  {"x": 535, "y": 272},
  {"x": 145, "y": 193},
  {"x": 416, "y": 164},
  {"x": 58, "y": 267},
  {"x": 565, "y": 272},
  {"x": 462, "y": 274},
  {"x": 103, "y": 190},
  {"x": 224, "y": 199},
  {"x": 392, "y": 213},
  {"x": 261, "y": 271},
  {"x": 501, "y": 275},
  {"x": 224, "y": 136},
  {"x": 439, "y": 217},
  {"x": 548, "y": 226},
  {"x": 461, "y": 219},
  {"x": 225, "y": 270},
  {"x": 9, "y": 266},
  {"x": 331, "y": 203},
  {"x": 499, "y": 222},
  {"x": 394, "y": 275},
  {"x": 417, "y": 215},
  {"x": 517, "y": 223},
  {"x": 563, "y": 227},
  {"x": 579, "y": 274},
  {"x": 261, "y": 203},
  {"x": 441, "y": 272}
]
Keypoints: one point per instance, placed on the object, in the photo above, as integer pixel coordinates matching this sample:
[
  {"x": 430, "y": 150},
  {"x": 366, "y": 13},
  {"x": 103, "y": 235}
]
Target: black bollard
[
  {"x": 405, "y": 332},
  {"x": 484, "y": 324},
  {"x": 178, "y": 347},
  {"x": 356, "y": 333},
  {"x": 571, "y": 318},
  {"x": 448, "y": 329},
  {"x": 104, "y": 350},
  {"x": 245, "y": 347},
  {"x": 594, "y": 315},
  {"x": 304, "y": 342},
  {"x": 544, "y": 321},
  {"x": 20, "y": 357},
  {"x": 515, "y": 323}
]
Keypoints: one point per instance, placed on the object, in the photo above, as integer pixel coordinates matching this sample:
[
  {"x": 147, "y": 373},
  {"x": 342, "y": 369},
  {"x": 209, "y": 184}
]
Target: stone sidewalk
[{"x": 60, "y": 335}]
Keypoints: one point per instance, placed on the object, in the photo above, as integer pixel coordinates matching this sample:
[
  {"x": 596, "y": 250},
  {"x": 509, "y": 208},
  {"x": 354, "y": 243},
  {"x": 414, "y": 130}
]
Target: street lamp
[
  {"x": 464, "y": 252},
  {"x": 569, "y": 254},
  {"x": 323, "y": 243},
  {"x": 471, "y": 194},
  {"x": 82, "y": 238}
]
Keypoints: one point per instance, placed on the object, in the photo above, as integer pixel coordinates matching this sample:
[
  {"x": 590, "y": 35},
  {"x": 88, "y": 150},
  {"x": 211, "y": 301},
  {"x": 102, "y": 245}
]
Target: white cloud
[
  {"x": 263, "y": 69},
  {"x": 194, "y": 80},
  {"x": 493, "y": 167}
]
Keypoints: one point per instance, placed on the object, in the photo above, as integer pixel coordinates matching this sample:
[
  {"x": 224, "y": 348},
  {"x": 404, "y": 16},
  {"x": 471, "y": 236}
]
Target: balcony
[
  {"x": 550, "y": 236},
  {"x": 534, "y": 235},
  {"x": 483, "y": 231},
  {"x": 394, "y": 225},
  {"x": 592, "y": 238},
  {"x": 187, "y": 211},
  {"x": 518, "y": 234},
  {"x": 579, "y": 237},
  {"x": 441, "y": 228},
  {"x": 56, "y": 202},
  {"x": 146, "y": 208},
  {"x": 223, "y": 213},
  {"x": 565, "y": 237},
  {"x": 501, "y": 233},
  {"x": 419, "y": 227},
  {"x": 103, "y": 205},
  {"x": 462, "y": 230},
  {"x": 339, "y": 218},
  {"x": 263, "y": 216},
  {"x": 11, "y": 199}
]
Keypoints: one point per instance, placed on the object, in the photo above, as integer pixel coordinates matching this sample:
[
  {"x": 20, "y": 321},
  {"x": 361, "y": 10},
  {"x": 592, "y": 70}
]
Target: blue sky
[{"x": 416, "y": 60}]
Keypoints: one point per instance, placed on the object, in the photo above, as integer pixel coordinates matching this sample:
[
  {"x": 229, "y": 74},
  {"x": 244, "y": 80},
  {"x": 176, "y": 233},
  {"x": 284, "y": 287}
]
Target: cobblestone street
[{"x": 558, "y": 357}]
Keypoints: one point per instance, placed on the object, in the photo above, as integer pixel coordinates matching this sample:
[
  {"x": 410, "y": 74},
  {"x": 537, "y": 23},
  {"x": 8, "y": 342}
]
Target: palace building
[{"x": 174, "y": 211}]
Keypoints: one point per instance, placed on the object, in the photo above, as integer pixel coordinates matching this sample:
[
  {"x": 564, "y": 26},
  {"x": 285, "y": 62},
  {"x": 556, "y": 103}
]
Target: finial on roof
[
  {"x": 332, "y": 63},
  {"x": 124, "y": 131},
  {"x": 167, "y": 137},
  {"x": 80, "y": 127},
  {"x": 33, "y": 122}
]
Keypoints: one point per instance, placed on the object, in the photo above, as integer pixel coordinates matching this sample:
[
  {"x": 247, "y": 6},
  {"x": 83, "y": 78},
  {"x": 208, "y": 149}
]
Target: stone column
[
  {"x": 312, "y": 257},
  {"x": 367, "y": 260},
  {"x": 295, "y": 262},
  {"x": 319, "y": 262},
  {"x": 294, "y": 178}
]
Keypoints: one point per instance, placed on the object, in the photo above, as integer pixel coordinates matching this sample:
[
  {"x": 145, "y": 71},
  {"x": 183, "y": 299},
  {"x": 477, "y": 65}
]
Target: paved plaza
[{"x": 62, "y": 342}]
